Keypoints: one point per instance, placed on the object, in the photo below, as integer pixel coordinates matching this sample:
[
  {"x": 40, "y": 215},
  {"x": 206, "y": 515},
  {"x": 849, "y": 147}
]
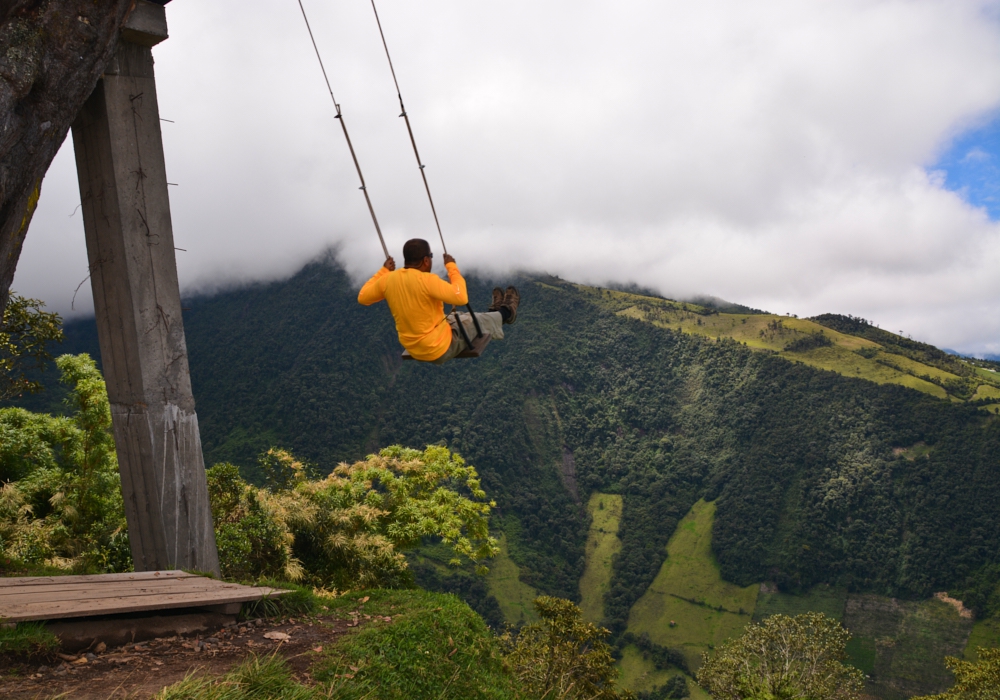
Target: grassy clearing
[
  {"x": 516, "y": 598},
  {"x": 985, "y": 634},
  {"x": 822, "y": 598},
  {"x": 27, "y": 638},
  {"x": 986, "y": 391},
  {"x": 688, "y": 591},
  {"x": 989, "y": 375},
  {"x": 904, "y": 643},
  {"x": 602, "y": 545}
]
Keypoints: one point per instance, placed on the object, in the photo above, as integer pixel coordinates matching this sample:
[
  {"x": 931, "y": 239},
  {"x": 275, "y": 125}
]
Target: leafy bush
[
  {"x": 62, "y": 501},
  {"x": 349, "y": 529},
  {"x": 562, "y": 656},
  {"x": 784, "y": 657},
  {"x": 978, "y": 680},
  {"x": 251, "y": 528},
  {"x": 25, "y": 334}
]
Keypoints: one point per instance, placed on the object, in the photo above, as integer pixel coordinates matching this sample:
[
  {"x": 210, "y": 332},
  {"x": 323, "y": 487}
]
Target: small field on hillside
[
  {"x": 688, "y": 605},
  {"x": 516, "y": 598},
  {"x": 822, "y": 598},
  {"x": 602, "y": 545},
  {"x": 902, "y": 644}
]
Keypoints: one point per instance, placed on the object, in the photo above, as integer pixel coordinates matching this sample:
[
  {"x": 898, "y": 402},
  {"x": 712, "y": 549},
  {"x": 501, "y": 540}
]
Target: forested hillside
[{"x": 817, "y": 477}]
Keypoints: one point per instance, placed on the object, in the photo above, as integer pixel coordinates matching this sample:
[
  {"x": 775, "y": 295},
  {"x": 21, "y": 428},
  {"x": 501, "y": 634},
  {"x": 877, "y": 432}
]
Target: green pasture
[
  {"x": 771, "y": 332},
  {"x": 516, "y": 598},
  {"x": 719, "y": 609},
  {"x": 986, "y": 391},
  {"x": 602, "y": 545}
]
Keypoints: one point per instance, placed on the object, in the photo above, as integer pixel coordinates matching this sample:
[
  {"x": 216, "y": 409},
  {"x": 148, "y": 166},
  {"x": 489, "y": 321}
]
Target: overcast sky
[{"x": 801, "y": 156}]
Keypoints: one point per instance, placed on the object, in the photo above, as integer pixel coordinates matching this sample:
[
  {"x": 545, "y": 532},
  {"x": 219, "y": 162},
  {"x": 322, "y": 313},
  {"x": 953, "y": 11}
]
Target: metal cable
[
  {"x": 347, "y": 136},
  {"x": 409, "y": 129}
]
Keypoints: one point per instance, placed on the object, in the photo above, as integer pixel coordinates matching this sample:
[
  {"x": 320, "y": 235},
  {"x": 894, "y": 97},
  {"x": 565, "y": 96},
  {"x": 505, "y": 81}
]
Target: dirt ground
[{"x": 141, "y": 670}]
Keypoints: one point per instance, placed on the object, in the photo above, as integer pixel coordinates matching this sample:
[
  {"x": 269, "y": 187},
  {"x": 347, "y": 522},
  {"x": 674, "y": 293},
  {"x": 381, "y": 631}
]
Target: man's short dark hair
[{"x": 415, "y": 250}]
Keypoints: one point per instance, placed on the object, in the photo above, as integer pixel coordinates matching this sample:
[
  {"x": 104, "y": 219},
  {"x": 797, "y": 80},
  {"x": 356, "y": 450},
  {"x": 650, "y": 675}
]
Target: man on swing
[{"x": 416, "y": 299}]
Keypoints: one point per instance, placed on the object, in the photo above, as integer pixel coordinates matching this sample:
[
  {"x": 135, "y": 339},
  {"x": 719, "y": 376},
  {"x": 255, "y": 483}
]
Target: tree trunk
[{"x": 52, "y": 53}]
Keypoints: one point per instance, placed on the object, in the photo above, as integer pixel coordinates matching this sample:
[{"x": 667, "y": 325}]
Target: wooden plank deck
[{"x": 61, "y": 597}]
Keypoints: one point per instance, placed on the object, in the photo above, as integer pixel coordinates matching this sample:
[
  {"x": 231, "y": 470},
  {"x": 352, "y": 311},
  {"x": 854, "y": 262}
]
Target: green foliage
[
  {"x": 350, "y": 529},
  {"x": 563, "y": 657},
  {"x": 26, "y": 332},
  {"x": 257, "y": 677},
  {"x": 62, "y": 501},
  {"x": 27, "y": 638},
  {"x": 978, "y": 680},
  {"x": 783, "y": 658},
  {"x": 251, "y": 528},
  {"x": 435, "y": 647}
]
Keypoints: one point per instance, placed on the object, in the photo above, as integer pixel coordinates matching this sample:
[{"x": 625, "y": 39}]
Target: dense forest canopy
[{"x": 818, "y": 477}]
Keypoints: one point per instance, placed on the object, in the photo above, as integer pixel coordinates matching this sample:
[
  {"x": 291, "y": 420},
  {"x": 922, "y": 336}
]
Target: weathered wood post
[{"x": 130, "y": 246}]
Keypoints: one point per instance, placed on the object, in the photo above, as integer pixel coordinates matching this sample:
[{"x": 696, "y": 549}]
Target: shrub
[
  {"x": 349, "y": 529},
  {"x": 62, "y": 503},
  {"x": 784, "y": 657},
  {"x": 978, "y": 680},
  {"x": 562, "y": 656}
]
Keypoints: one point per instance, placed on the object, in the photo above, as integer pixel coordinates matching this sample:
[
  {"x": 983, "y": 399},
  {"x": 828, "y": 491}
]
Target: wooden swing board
[
  {"x": 61, "y": 597},
  {"x": 478, "y": 345}
]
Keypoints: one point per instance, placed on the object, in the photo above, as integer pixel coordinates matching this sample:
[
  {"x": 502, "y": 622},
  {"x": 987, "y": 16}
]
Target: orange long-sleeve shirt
[{"x": 417, "y": 301}]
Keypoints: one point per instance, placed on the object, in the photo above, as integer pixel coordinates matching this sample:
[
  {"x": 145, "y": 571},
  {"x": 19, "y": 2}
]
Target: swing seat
[{"x": 478, "y": 345}]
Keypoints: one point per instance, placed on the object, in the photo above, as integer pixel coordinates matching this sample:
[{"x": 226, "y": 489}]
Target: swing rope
[
  {"x": 347, "y": 136},
  {"x": 413, "y": 141},
  {"x": 409, "y": 129},
  {"x": 423, "y": 175}
]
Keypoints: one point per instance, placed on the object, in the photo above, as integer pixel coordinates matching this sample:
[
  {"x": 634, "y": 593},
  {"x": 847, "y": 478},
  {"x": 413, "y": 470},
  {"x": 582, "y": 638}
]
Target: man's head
[{"x": 417, "y": 254}]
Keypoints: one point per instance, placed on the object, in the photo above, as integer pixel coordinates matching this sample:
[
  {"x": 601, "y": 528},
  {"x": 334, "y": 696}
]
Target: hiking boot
[
  {"x": 511, "y": 300},
  {"x": 497, "y": 299}
]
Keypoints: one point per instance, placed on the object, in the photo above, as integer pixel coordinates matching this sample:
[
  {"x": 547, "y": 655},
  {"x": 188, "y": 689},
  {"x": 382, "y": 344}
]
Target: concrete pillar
[{"x": 130, "y": 245}]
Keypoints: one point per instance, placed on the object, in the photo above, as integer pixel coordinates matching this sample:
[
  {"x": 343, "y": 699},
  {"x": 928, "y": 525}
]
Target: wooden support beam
[{"x": 130, "y": 246}]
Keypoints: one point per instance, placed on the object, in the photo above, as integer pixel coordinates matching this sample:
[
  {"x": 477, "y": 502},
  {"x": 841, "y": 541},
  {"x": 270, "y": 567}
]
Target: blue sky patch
[{"x": 972, "y": 166}]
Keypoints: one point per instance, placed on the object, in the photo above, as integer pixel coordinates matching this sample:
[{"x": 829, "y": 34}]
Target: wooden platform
[{"x": 61, "y": 597}]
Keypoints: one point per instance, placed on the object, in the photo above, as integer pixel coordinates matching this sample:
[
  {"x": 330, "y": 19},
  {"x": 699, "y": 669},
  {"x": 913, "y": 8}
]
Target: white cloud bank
[{"x": 773, "y": 153}]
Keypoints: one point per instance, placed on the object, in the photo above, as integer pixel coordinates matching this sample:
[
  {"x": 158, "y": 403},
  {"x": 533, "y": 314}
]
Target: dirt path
[{"x": 141, "y": 670}]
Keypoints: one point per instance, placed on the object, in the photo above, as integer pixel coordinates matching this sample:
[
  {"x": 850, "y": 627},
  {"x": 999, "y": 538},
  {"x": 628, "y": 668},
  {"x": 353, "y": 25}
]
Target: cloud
[{"x": 773, "y": 153}]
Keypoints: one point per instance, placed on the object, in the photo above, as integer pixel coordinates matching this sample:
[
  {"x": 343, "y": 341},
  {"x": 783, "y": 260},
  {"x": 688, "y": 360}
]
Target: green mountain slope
[{"x": 849, "y": 477}]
